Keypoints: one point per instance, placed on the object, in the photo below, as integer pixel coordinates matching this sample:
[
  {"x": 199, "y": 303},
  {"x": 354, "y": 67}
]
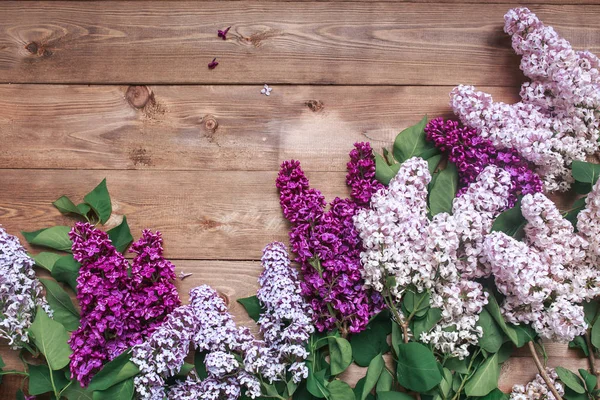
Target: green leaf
[
  {"x": 372, "y": 341},
  {"x": 595, "y": 336},
  {"x": 511, "y": 222},
  {"x": 62, "y": 305},
  {"x": 417, "y": 367},
  {"x": 121, "y": 391},
  {"x": 445, "y": 387},
  {"x": 416, "y": 303},
  {"x": 492, "y": 338},
  {"x": 580, "y": 343},
  {"x": 84, "y": 208},
  {"x": 384, "y": 172},
  {"x": 433, "y": 162},
  {"x": 385, "y": 382},
  {"x": 2, "y": 364},
  {"x": 46, "y": 260},
  {"x": 339, "y": 390},
  {"x": 460, "y": 366},
  {"x": 570, "y": 380},
  {"x": 421, "y": 325},
  {"x": 76, "y": 392},
  {"x": 411, "y": 142},
  {"x": 120, "y": 236},
  {"x": 115, "y": 371},
  {"x": 394, "y": 396},
  {"x": 572, "y": 213},
  {"x": 585, "y": 172},
  {"x": 51, "y": 338},
  {"x": 66, "y": 270},
  {"x": 199, "y": 357},
  {"x": 525, "y": 334},
  {"x": 485, "y": 378},
  {"x": 56, "y": 237},
  {"x": 494, "y": 310},
  {"x": 573, "y": 395},
  {"x": 373, "y": 373},
  {"x": 66, "y": 206},
  {"x": 20, "y": 395},
  {"x": 316, "y": 384},
  {"x": 444, "y": 190},
  {"x": 99, "y": 200},
  {"x": 590, "y": 380},
  {"x": 39, "y": 379},
  {"x": 252, "y": 306},
  {"x": 505, "y": 351},
  {"x": 590, "y": 310},
  {"x": 495, "y": 394},
  {"x": 340, "y": 354}
]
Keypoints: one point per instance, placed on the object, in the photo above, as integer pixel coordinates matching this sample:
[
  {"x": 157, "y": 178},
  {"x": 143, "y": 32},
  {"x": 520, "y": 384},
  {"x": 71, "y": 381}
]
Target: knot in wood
[
  {"x": 138, "y": 96},
  {"x": 32, "y": 47},
  {"x": 210, "y": 123},
  {"x": 224, "y": 297},
  {"x": 315, "y": 105}
]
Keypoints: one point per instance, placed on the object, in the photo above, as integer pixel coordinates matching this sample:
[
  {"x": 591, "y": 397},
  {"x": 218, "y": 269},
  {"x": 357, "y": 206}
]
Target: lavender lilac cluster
[
  {"x": 547, "y": 277},
  {"x": 117, "y": 308},
  {"x": 286, "y": 324},
  {"x": 558, "y": 119},
  {"x": 20, "y": 291},
  {"x": 538, "y": 389},
  {"x": 472, "y": 153},
  {"x": 327, "y": 245},
  {"x": 205, "y": 324},
  {"x": 442, "y": 255}
]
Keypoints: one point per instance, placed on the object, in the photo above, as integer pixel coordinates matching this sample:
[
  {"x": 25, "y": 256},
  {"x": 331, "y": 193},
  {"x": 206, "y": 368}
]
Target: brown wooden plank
[
  {"x": 206, "y": 127},
  {"x": 203, "y": 215},
  {"x": 326, "y": 43}
]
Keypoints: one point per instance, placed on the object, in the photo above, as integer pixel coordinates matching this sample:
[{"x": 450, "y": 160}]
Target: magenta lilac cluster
[
  {"x": 327, "y": 245},
  {"x": 471, "y": 153},
  {"x": 118, "y": 308}
]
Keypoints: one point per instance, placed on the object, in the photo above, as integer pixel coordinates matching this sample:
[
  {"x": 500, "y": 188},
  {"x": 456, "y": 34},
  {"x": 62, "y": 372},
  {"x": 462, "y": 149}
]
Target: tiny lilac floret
[
  {"x": 213, "y": 64},
  {"x": 223, "y": 33}
]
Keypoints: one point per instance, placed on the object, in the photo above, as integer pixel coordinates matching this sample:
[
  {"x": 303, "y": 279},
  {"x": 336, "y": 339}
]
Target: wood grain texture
[
  {"x": 206, "y": 127},
  {"x": 324, "y": 43}
]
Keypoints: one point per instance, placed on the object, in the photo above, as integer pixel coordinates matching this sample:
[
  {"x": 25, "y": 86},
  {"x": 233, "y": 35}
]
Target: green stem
[
  {"x": 56, "y": 392},
  {"x": 13, "y": 372},
  {"x": 65, "y": 388},
  {"x": 467, "y": 376}
]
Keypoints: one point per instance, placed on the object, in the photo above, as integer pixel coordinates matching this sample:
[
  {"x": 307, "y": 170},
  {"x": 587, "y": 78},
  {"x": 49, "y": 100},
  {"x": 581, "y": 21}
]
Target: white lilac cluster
[
  {"x": 547, "y": 277},
  {"x": 442, "y": 256},
  {"x": 206, "y": 324},
  {"x": 537, "y": 389},
  {"x": 286, "y": 323},
  {"x": 20, "y": 291},
  {"x": 558, "y": 118}
]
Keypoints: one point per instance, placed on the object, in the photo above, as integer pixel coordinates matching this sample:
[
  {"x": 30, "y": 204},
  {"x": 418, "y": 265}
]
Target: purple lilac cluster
[
  {"x": 327, "y": 245},
  {"x": 558, "y": 118},
  {"x": 20, "y": 291},
  {"x": 546, "y": 278},
  {"x": 471, "y": 153},
  {"x": 117, "y": 309},
  {"x": 205, "y": 324},
  {"x": 286, "y": 323}
]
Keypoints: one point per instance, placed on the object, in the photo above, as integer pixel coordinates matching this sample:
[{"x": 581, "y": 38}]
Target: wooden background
[{"x": 122, "y": 90}]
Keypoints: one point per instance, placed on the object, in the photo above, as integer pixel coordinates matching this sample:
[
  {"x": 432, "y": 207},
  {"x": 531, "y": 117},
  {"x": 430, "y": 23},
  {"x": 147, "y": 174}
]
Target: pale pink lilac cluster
[
  {"x": 286, "y": 323},
  {"x": 205, "y": 324},
  {"x": 546, "y": 277},
  {"x": 442, "y": 256},
  {"x": 537, "y": 389},
  {"x": 119, "y": 306},
  {"x": 557, "y": 120},
  {"x": 327, "y": 245},
  {"x": 20, "y": 291}
]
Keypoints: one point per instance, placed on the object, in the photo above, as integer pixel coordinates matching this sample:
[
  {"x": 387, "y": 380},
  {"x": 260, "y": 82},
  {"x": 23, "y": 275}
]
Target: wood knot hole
[
  {"x": 224, "y": 297},
  {"x": 32, "y": 47},
  {"x": 315, "y": 105},
  {"x": 138, "y": 96},
  {"x": 210, "y": 123}
]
